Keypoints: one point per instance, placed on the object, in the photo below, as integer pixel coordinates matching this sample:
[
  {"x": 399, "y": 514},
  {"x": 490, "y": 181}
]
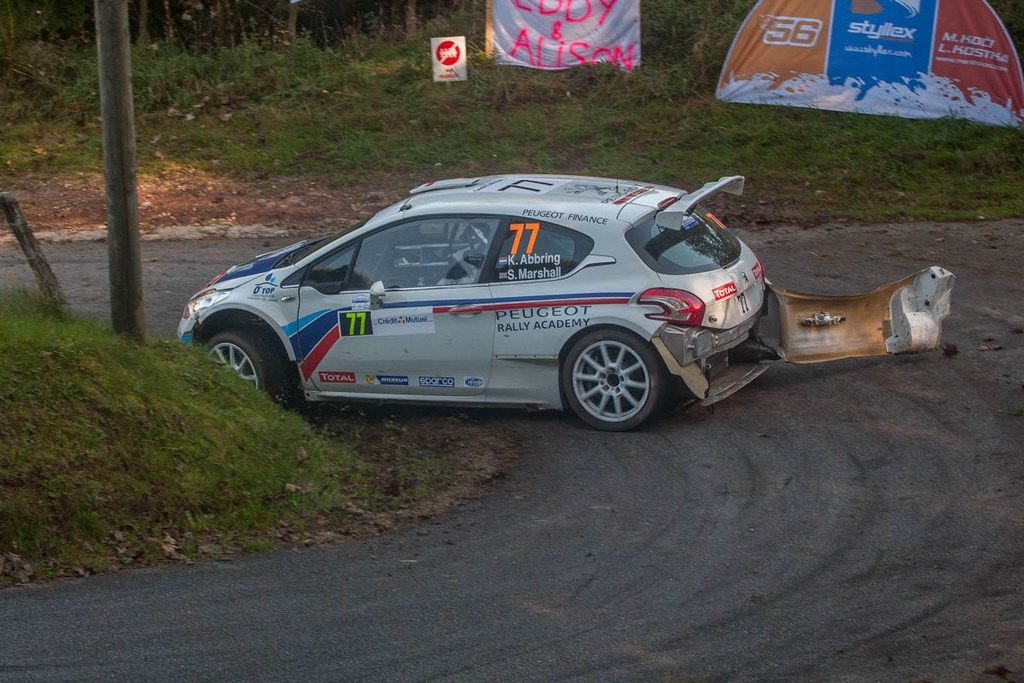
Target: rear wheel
[
  {"x": 259, "y": 361},
  {"x": 613, "y": 380}
]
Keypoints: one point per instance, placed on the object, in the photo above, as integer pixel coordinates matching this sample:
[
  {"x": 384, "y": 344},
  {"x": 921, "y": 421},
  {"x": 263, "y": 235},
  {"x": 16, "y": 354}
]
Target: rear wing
[{"x": 672, "y": 218}]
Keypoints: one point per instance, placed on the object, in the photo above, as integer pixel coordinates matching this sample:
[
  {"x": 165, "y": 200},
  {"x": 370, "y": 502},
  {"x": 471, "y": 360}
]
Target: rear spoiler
[{"x": 672, "y": 218}]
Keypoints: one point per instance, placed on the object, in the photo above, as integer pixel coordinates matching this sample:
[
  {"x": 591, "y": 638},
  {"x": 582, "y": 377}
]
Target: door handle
[
  {"x": 465, "y": 309},
  {"x": 285, "y": 299}
]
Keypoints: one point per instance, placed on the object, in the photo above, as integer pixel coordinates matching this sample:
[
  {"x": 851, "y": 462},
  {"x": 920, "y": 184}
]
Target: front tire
[
  {"x": 613, "y": 380},
  {"x": 259, "y": 361}
]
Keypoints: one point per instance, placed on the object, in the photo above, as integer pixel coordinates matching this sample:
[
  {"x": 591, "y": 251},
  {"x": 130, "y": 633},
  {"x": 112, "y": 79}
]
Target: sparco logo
[
  {"x": 447, "y": 382},
  {"x": 791, "y": 31}
]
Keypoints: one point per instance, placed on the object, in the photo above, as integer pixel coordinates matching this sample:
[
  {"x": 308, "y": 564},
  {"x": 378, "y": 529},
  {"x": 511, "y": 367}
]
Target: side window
[
  {"x": 331, "y": 274},
  {"x": 535, "y": 250},
  {"x": 430, "y": 252}
]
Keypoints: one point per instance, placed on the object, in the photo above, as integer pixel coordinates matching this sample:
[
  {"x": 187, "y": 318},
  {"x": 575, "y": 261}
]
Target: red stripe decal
[
  {"x": 326, "y": 343},
  {"x": 508, "y": 306}
]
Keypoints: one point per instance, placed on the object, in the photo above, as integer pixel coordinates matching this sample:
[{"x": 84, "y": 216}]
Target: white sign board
[
  {"x": 559, "y": 34},
  {"x": 449, "y": 58}
]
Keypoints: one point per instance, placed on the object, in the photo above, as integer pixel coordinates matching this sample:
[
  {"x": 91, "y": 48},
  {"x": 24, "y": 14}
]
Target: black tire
[
  {"x": 647, "y": 403},
  {"x": 275, "y": 374}
]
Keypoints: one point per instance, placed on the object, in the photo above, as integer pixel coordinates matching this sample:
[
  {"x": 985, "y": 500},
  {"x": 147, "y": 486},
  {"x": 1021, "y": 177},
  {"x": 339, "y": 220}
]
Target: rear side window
[
  {"x": 703, "y": 244},
  {"x": 535, "y": 250}
]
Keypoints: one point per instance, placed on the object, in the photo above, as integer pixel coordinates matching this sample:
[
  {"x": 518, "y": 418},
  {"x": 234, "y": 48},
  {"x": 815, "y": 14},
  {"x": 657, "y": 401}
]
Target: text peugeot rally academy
[{"x": 611, "y": 297}]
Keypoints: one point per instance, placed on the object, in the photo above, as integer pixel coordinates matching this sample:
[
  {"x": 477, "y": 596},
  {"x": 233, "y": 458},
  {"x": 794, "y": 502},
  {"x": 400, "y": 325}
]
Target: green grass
[
  {"x": 366, "y": 109},
  {"x": 112, "y": 453}
]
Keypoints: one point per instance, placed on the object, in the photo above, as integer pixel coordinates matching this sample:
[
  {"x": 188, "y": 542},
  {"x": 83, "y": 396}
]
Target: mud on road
[{"x": 857, "y": 520}]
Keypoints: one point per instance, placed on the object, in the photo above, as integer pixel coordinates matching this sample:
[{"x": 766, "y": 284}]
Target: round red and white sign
[{"x": 448, "y": 53}]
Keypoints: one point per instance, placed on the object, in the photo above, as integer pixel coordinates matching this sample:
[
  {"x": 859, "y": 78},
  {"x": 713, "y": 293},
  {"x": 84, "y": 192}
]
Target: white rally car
[{"x": 610, "y": 297}]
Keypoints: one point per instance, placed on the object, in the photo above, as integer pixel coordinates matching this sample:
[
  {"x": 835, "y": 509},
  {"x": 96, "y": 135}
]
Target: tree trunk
[
  {"x": 293, "y": 21},
  {"x": 169, "y": 21},
  {"x": 143, "y": 35},
  {"x": 410, "y": 17}
]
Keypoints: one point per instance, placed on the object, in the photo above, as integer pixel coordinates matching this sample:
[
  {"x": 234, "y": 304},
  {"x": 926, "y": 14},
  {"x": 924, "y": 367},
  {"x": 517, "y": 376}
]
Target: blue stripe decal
[{"x": 292, "y": 328}]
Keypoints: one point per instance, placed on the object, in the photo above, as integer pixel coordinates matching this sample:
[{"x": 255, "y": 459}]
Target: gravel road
[{"x": 862, "y": 520}]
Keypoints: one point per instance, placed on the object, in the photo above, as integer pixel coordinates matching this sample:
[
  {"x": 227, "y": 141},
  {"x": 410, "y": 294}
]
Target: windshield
[
  {"x": 700, "y": 245},
  {"x": 313, "y": 245}
]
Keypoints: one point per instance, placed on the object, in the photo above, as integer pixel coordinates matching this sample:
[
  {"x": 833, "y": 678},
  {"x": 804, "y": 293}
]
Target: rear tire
[
  {"x": 259, "y": 360},
  {"x": 613, "y": 380}
]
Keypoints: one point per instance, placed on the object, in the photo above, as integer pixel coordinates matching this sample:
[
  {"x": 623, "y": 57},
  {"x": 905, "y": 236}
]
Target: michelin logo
[
  {"x": 443, "y": 382},
  {"x": 388, "y": 380}
]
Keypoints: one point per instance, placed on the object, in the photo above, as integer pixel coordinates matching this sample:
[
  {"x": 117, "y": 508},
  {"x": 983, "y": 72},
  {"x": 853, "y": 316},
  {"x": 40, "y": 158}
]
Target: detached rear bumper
[{"x": 902, "y": 317}]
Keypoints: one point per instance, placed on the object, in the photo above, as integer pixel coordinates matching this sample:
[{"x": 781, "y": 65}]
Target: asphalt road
[{"x": 862, "y": 520}]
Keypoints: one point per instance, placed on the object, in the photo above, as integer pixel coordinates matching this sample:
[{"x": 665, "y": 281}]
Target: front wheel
[
  {"x": 259, "y": 361},
  {"x": 613, "y": 380}
]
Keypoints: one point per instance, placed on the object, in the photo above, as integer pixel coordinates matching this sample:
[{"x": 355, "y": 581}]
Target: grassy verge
[
  {"x": 358, "y": 112},
  {"x": 113, "y": 455}
]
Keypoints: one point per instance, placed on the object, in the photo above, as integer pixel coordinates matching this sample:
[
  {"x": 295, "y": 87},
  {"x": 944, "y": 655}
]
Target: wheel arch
[{"x": 234, "y": 318}]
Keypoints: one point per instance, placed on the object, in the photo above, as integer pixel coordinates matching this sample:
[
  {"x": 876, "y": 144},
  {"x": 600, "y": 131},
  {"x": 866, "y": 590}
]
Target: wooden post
[
  {"x": 293, "y": 21},
  {"x": 489, "y": 30},
  {"x": 125, "y": 266},
  {"x": 48, "y": 284}
]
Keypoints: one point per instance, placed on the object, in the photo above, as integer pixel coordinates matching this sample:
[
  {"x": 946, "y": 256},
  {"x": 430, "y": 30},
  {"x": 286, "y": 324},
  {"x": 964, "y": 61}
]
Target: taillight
[{"x": 677, "y": 307}]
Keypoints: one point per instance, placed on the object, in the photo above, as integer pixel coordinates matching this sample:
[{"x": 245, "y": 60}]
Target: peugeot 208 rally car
[{"x": 610, "y": 297}]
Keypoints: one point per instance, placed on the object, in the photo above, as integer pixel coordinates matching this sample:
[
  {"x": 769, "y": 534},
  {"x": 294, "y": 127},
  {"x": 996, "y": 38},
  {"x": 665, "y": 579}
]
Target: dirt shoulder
[{"x": 187, "y": 203}]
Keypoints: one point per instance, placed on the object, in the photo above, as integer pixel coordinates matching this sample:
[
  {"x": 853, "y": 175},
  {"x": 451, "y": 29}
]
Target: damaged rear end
[{"x": 728, "y": 333}]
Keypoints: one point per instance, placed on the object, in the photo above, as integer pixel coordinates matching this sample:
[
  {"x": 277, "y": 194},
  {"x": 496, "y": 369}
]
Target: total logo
[
  {"x": 443, "y": 382},
  {"x": 724, "y": 291},
  {"x": 337, "y": 377}
]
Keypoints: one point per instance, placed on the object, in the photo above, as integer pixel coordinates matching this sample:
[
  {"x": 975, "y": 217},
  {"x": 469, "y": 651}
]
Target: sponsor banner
[
  {"x": 909, "y": 58},
  {"x": 560, "y": 34},
  {"x": 337, "y": 377},
  {"x": 448, "y": 56}
]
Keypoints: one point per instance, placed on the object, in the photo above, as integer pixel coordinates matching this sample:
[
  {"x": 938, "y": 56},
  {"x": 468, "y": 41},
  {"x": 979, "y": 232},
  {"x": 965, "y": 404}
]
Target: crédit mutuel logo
[{"x": 887, "y": 30}]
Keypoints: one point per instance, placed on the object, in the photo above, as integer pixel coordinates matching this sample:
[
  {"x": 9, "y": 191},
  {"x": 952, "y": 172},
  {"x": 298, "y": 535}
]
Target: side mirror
[{"x": 377, "y": 294}]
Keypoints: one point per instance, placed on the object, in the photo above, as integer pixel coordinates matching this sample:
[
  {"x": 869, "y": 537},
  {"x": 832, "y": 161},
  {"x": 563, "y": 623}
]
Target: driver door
[{"x": 430, "y": 334}]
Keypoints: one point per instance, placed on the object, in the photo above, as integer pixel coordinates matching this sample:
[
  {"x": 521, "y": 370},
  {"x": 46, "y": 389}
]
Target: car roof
[{"x": 526, "y": 194}]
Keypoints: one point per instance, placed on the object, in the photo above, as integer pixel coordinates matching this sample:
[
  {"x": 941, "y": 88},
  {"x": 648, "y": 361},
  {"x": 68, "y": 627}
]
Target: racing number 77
[
  {"x": 518, "y": 228},
  {"x": 357, "y": 324}
]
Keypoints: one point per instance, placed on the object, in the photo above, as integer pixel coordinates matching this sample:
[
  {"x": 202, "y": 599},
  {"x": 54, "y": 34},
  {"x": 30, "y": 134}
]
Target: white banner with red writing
[{"x": 559, "y": 34}]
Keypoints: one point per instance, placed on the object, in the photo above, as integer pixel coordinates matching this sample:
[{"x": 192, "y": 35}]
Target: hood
[{"x": 263, "y": 263}]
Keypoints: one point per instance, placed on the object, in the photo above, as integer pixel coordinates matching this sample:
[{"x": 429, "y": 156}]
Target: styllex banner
[
  {"x": 910, "y": 58},
  {"x": 559, "y": 34}
]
